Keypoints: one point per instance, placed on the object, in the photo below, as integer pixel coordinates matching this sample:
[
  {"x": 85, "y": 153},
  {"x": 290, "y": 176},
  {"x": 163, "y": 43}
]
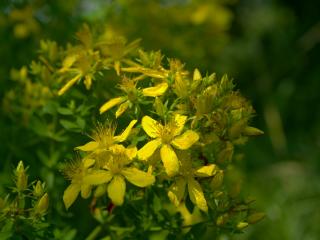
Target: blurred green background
[{"x": 271, "y": 48}]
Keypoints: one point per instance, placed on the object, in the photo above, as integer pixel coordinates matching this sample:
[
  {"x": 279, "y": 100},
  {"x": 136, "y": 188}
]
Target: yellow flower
[
  {"x": 187, "y": 179},
  {"x": 76, "y": 172},
  {"x": 116, "y": 171},
  {"x": 104, "y": 138},
  {"x": 165, "y": 137},
  {"x": 131, "y": 95},
  {"x": 115, "y": 49},
  {"x": 79, "y": 65}
]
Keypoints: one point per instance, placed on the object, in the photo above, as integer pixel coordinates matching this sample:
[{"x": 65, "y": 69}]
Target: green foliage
[{"x": 23, "y": 210}]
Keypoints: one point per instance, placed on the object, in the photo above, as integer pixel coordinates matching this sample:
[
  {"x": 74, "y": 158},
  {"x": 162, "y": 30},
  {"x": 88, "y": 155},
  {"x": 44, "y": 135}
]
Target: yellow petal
[
  {"x": 68, "y": 61},
  {"x": 148, "y": 149},
  {"x": 155, "y": 91},
  {"x": 138, "y": 177},
  {"x": 176, "y": 191},
  {"x": 111, "y": 103},
  {"x": 206, "y": 171},
  {"x": 196, "y": 75},
  {"x": 117, "y": 190},
  {"x": 196, "y": 194},
  {"x": 71, "y": 194},
  {"x": 88, "y": 147},
  {"x": 69, "y": 84},
  {"x": 151, "y": 126},
  {"x": 180, "y": 121},
  {"x": 85, "y": 190},
  {"x": 154, "y": 73},
  {"x": 131, "y": 152},
  {"x": 186, "y": 140},
  {"x": 88, "y": 162},
  {"x": 117, "y": 67},
  {"x": 124, "y": 135},
  {"x": 122, "y": 108},
  {"x": 146, "y": 71},
  {"x": 169, "y": 160},
  {"x": 88, "y": 81},
  {"x": 97, "y": 177}
]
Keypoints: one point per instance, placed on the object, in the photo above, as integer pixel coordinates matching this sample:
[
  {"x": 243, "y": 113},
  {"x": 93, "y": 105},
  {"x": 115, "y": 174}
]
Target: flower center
[
  {"x": 132, "y": 95},
  {"x": 166, "y": 134}
]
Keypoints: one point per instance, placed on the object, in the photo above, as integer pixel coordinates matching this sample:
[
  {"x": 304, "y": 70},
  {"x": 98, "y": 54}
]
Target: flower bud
[
  {"x": 255, "y": 217},
  {"x": 222, "y": 219},
  {"x": 217, "y": 194},
  {"x": 196, "y": 75},
  {"x": 242, "y": 225},
  {"x": 42, "y": 205},
  {"x": 225, "y": 84},
  {"x": 38, "y": 189},
  {"x": 181, "y": 86},
  {"x": 159, "y": 107},
  {"x": 21, "y": 177},
  {"x": 226, "y": 154},
  {"x": 100, "y": 190},
  {"x": 217, "y": 180},
  {"x": 236, "y": 129},
  {"x": 252, "y": 131}
]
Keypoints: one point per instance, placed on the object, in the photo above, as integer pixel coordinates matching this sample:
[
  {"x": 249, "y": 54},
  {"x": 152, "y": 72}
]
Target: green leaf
[
  {"x": 81, "y": 123},
  {"x": 68, "y": 124},
  {"x": 65, "y": 111},
  {"x": 50, "y": 108},
  {"x": 7, "y": 230}
]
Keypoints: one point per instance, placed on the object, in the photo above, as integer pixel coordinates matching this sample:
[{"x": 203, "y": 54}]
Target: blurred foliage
[
  {"x": 270, "y": 47},
  {"x": 22, "y": 211}
]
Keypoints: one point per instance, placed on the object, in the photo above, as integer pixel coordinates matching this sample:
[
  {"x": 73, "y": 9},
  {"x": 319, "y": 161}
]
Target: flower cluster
[
  {"x": 157, "y": 128},
  {"x": 107, "y": 165},
  {"x": 182, "y": 127}
]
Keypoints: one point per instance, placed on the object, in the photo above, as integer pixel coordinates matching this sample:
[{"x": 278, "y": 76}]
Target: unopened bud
[
  {"x": 42, "y": 205},
  {"x": 38, "y": 189},
  {"x": 255, "y": 217},
  {"x": 217, "y": 180},
  {"x": 21, "y": 177},
  {"x": 242, "y": 225},
  {"x": 159, "y": 107},
  {"x": 225, "y": 83},
  {"x": 217, "y": 194},
  {"x": 240, "y": 208},
  {"x": 236, "y": 129},
  {"x": 196, "y": 75},
  {"x": 181, "y": 86},
  {"x": 222, "y": 219},
  {"x": 252, "y": 131},
  {"x": 100, "y": 191},
  {"x": 226, "y": 154}
]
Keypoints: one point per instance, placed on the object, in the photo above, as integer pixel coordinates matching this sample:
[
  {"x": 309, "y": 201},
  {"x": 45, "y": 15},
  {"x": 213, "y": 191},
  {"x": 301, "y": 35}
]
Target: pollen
[{"x": 104, "y": 134}]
